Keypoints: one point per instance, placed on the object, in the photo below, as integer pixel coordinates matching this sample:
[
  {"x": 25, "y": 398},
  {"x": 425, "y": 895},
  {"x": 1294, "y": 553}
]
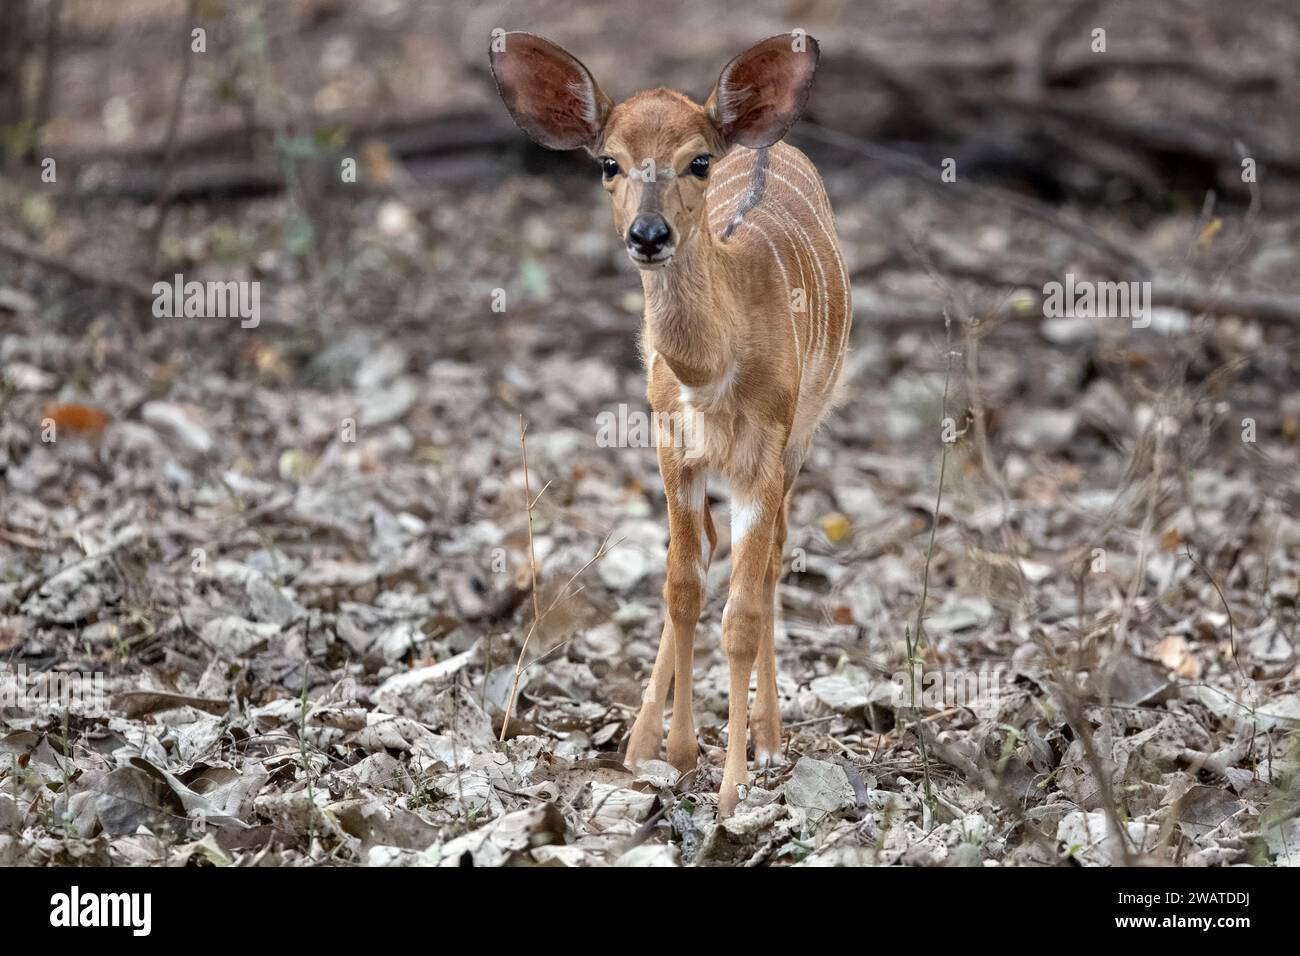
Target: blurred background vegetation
[{"x": 144, "y": 138}]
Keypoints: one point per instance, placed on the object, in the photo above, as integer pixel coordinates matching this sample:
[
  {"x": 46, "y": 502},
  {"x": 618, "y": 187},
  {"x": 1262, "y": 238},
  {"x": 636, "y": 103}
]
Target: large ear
[
  {"x": 761, "y": 93},
  {"x": 550, "y": 94}
]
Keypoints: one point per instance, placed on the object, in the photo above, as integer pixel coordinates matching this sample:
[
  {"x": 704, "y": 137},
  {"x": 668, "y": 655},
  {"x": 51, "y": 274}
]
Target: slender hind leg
[{"x": 766, "y": 722}]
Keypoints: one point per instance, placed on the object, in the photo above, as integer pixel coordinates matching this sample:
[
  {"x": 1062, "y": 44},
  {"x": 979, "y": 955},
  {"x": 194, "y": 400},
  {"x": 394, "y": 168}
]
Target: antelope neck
[{"x": 685, "y": 320}]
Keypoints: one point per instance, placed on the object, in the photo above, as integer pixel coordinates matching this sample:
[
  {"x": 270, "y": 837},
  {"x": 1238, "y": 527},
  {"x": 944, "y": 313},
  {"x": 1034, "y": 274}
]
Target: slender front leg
[
  {"x": 746, "y": 618},
  {"x": 647, "y": 733},
  {"x": 691, "y": 539}
]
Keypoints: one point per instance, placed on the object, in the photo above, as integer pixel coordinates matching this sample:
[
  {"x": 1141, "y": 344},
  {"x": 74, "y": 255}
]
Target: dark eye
[
  {"x": 608, "y": 167},
  {"x": 700, "y": 166}
]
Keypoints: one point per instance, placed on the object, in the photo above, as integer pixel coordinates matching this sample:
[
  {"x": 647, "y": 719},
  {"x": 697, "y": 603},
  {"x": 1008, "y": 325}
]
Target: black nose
[{"x": 649, "y": 233}]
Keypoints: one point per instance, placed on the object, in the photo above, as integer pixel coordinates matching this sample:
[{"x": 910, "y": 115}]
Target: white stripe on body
[
  {"x": 822, "y": 290},
  {"x": 843, "y": 278},
  {"x": 788, "y": 154},
  {"x": 825, "y": 293},
  {"x": 798, "y": 349},
  {"x": 723, "y": 214},
  {"x": 772, "y": 210}
]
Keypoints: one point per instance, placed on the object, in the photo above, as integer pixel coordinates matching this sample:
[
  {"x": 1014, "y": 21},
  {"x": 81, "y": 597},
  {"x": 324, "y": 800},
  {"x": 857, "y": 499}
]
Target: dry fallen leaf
[
  {"x": 77, "y": 419},
  {"x": 1175, "y": 654},
  {"x": 1212, "y": 229},
  {"x": 835, "y": 526}
]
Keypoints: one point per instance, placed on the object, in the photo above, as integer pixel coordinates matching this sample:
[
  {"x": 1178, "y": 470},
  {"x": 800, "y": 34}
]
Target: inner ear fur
[
  {"x": 551, "y": 96},
  {"x": 762, "y": 93}
]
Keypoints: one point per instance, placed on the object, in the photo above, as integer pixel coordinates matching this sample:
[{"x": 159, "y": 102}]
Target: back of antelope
[{"x": 746, "y": 325}]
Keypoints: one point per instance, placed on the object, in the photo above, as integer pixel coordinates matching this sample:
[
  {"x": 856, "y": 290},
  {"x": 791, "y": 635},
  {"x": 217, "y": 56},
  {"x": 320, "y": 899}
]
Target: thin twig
[
  {"x": 563, "y": 595},
  {"x": 539, "y": 615},
  {"x": 529, "y": 504},
  {"x": 169, "y": 138},
  {"x": 15, "y": 247},
  {"x": 938, "y": 499},
  {"x": 49, "y": 66},
  {"x": 916, "y": 638}
]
